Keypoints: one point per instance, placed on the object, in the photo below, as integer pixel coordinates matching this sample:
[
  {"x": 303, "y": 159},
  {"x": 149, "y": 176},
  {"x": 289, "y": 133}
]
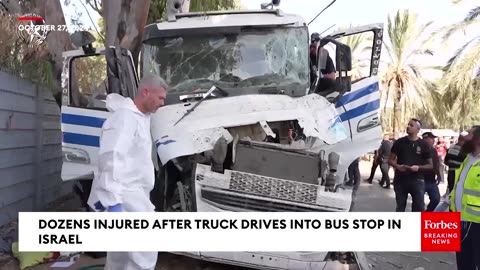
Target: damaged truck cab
[{"x": 243, "y": 127}]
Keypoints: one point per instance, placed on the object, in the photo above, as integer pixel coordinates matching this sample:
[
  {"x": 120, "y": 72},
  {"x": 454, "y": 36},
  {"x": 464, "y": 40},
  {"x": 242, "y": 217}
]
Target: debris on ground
[
  {"x": 12, "y": 259},
  {"x": 416, "y": 257},
  {"x": 29, "y": 259}
]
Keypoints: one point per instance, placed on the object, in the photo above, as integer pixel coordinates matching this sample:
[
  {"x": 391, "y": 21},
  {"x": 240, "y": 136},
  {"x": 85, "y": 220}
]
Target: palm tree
[
  {"x": 462, "y": 73},
  {"x": 402, "y": 80}
]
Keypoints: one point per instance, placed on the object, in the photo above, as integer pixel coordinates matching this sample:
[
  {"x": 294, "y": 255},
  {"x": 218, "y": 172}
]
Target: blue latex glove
[{"x": 115, "y": 208}]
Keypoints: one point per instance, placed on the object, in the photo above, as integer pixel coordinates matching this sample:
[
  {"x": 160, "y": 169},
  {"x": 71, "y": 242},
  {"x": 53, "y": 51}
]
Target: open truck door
[
  {"x": 359, "y": 107},
  {"x": 89, "y": 75},
  {"x": 356, "y": 92}
]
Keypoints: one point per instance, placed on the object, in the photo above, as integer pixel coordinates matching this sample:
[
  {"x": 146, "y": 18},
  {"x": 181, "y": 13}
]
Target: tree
[
  {"x": 461, "y": 77},
  {"x": 57, "y": 41},
  {"x": 124, "y": 23},
  {"x": 16, "y": 57},
  {"x": 403, "y": 83}
]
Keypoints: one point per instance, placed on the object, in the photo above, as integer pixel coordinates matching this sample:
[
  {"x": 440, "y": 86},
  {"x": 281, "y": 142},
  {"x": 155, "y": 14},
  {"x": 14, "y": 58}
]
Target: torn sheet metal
[
  {"x": 188, "y": 143},
  {"x": 199, "y": 131}
]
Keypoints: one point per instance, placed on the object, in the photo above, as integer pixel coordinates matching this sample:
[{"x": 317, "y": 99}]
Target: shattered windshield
[{"x": 252, "y": 59}]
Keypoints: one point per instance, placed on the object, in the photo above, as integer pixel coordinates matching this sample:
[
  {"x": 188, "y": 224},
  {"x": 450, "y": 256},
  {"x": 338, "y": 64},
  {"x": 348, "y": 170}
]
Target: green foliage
[
  {"x": 17, "y": 58},
  {"x": 100, "y": 35},
  {"x": 158, "y": 7},
  {"x": 404, "y": 85},
  {"x": 460, "y": 81},
  {"x": 452, "y": 101}
]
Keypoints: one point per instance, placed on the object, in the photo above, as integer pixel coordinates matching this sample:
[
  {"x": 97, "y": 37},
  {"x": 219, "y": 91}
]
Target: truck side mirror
[
  {"x": 322, "y": 57},
  {"x": 343, "y": 64},
  {"x": 343, "y": 57}
]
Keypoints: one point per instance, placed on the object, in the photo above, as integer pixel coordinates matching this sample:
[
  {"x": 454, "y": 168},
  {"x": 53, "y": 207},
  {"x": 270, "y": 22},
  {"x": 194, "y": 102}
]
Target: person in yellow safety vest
[{"x": 465, "y": 198}]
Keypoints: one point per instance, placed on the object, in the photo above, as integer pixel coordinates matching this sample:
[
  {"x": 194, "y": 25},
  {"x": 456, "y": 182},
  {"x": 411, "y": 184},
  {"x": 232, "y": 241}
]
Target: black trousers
[
  {"x": 469, "y": 256},
  {"x": 384, "y": 168},
  {"x": 431, "y": 189},
  {"x": 373, "y": 170},
  {"x": 354, "y": 172},
  {"x": 451, "y": 180},
  {"x": 416, "y": 189}
]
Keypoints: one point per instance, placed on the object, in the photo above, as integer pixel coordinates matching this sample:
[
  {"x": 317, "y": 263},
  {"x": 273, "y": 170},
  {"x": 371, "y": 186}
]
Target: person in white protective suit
[{"x": 126, "y": 174}]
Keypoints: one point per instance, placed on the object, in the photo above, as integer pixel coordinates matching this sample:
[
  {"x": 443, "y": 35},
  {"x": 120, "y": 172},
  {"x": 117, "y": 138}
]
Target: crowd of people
[
  {"x": 420, "y": 163},
  {"x": 445, "y": 156}
]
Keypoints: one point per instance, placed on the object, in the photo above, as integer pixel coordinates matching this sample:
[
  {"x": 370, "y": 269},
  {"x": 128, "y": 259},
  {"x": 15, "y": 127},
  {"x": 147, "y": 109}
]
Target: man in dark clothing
[
  {"x": 354, "y": 174},
  {"x": 383, "y": 154},
  {"x": 374, "y": 167},
  {"x": 454, "y": 158},
  {"x": 432, "y": 178},
  {"x": 327, "y": 73},
  {"x": 410, "y": 157}
]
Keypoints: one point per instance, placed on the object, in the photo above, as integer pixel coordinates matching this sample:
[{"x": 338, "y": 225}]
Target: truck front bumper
[{"x": 239, "y": 191}]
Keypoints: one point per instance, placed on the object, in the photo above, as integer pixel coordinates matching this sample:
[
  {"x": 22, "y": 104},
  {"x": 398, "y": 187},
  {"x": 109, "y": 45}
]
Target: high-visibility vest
[{"x": 471, "y": 193}]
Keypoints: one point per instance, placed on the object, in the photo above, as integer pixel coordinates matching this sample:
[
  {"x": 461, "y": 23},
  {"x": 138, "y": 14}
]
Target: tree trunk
[
  {"x": 397, "y": 112},
  {"x": 57, "y": 41},
  {"x": 124, "y": 23}
]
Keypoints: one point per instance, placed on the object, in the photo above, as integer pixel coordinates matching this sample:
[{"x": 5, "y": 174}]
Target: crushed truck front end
[
  {"x": 264, "y": 141},
  {"x": 260, "y": 140}
]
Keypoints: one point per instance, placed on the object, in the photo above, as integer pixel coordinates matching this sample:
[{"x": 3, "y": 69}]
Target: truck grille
[
  {"x": 237, "y": 201},
  {"x": 273, "y": 187},
  {"x": 246, "y": 191}
]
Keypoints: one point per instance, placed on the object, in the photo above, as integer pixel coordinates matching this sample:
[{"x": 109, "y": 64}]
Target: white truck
[{"x": 243, "y": 128}]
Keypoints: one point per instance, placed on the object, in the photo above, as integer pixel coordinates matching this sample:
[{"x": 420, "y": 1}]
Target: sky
[{"x": 356, "y": 12}]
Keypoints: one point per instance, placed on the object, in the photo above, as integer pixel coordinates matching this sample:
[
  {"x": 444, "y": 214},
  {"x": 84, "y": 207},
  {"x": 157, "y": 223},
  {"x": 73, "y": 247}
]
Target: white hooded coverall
[{"x": 125, "y": 173}]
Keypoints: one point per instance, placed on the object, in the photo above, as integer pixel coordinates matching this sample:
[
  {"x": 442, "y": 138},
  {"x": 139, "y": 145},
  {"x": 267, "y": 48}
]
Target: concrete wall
[{"x": 30, "y": 148}]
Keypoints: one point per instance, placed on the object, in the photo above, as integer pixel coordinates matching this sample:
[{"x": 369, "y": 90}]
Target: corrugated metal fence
[{"x": 30, "y": 148}]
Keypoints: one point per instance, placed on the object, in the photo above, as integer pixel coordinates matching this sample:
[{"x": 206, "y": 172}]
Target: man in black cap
[
  {"x": 410, "y": 157},
  {"x": 433, "y": 177},
  {"x": 328, "y": 73}
]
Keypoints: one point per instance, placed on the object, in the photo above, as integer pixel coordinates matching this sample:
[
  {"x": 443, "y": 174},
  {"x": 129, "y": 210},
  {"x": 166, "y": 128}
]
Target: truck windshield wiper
[{"x": 205, "y": 96}]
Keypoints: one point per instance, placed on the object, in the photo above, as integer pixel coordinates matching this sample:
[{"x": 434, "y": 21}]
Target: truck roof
[{"x": 195, "y": 22}]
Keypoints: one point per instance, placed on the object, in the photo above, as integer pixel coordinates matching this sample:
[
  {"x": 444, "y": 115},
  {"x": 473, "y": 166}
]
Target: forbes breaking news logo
[{"x": 441, "y": 231}]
